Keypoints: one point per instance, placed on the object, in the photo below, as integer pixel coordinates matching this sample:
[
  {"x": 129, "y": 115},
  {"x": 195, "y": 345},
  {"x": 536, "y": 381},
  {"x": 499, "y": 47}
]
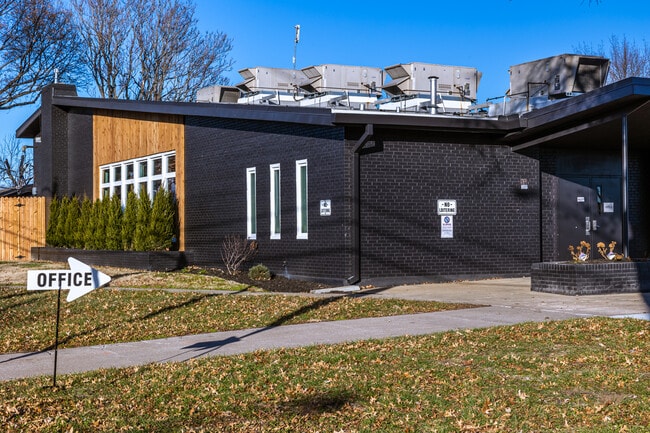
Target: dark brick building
[{"x": 347, "y": 195}]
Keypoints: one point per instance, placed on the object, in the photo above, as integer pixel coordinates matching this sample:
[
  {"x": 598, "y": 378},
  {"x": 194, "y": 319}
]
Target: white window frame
[
  {"x": 276, "y": 201},
  {"x": 302, "y": 221},
  {"x": 166, "y": 177},
  {"x": 251, "y": 203}
]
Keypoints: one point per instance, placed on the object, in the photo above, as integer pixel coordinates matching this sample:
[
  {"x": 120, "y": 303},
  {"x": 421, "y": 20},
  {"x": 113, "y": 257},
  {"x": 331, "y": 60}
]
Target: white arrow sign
[{"x": 80, "y": 279}]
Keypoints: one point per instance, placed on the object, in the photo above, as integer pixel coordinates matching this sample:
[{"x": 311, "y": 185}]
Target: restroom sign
[{"x": 447, "y": 207}]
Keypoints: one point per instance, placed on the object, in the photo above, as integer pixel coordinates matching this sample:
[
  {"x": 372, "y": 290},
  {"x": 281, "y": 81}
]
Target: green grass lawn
[
  {"x": 584, "y": 375},
  {"x": 104, "y": 316}
]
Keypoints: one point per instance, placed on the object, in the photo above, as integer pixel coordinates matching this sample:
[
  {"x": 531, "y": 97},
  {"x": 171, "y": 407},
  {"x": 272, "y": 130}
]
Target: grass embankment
[{"x": 587, "y": 375}]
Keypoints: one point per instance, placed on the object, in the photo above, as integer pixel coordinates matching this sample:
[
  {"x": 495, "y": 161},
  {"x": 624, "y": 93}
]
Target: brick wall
[
  {"x": 218, "y": 151},
  {"x": 496, "y": 230},
  {"x": 590, "y": 278}
]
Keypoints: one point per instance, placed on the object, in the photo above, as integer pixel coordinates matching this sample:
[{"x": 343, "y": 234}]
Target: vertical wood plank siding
[
  {"x": 22, "y": 226},
  {"x": 120, "y": 136}
]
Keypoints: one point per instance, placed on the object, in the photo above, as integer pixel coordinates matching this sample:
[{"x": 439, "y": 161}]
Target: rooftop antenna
[{"x": 295, "y": 44}]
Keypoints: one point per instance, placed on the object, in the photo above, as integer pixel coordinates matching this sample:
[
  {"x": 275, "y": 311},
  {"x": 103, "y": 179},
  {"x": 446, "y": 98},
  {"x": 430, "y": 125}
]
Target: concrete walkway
[{"x": 507, "y": 301}]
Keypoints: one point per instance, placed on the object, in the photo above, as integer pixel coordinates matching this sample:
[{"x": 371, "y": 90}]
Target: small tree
[
  {"x": 71, "y": 221},
  {"x": 51, "y": 237},
  {"x": 129, "y": 221},
  {"x": 235, "y": 251},
  {"x": 163, "y": 215},
  {"x": 142, "y": 235},
  {"x": 85, "y": 215},
  {"x": 113, "y": 211}
]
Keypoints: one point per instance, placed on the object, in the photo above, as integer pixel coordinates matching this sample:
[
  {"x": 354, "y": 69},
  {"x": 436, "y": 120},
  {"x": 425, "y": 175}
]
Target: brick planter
[
  {"x": 590, "y": 278},
  {"x": 146, "y": 260}
]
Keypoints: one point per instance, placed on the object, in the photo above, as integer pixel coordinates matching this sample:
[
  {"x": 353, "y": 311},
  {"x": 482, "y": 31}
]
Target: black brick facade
[
  {"x": 218, "y": 152},
  {"x": 496, "y": 228}
]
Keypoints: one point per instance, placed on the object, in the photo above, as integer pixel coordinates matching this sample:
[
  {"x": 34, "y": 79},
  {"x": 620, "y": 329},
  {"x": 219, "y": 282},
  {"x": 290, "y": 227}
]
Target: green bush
[
  {"x": 259, "y": 273},
  {"x": 104, "y": 224}
]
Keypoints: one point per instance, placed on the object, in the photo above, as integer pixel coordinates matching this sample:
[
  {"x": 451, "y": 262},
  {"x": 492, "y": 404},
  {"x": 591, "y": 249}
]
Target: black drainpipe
[{"x": 356, "y": 205}]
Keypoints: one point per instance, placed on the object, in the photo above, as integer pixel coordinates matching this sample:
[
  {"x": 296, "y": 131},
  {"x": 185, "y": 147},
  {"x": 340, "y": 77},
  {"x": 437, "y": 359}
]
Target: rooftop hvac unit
[
  {"x": 410, "y": 87},
  {"x": 558, "y": 76},
  {"x": 341, "y": 86},
  {"x": 269, "y": 85},
  {"x": 218, "y": 94}
]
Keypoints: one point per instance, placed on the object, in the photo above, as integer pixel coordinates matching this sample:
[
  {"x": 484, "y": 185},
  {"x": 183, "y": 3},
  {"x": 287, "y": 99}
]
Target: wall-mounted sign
[
  {"x": 447, "y": 207},
  {"x": 446, "y": 227},
  {"x": 325, "y": 207},
  {"x": 581, "y": 199},
  {"x": 608, "y": 207}
]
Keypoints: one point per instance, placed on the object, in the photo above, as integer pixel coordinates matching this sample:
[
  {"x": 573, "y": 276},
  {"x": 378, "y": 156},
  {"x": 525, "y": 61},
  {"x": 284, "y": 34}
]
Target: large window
[
  {"x": 301, "y": 199},
  {"x": 251, "y": 203},
  {"x": 143, "y": 175},
  {"x": 275, "y": 201}
]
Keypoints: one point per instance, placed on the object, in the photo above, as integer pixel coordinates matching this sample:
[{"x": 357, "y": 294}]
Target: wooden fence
[{"x": 22, "y": 226}]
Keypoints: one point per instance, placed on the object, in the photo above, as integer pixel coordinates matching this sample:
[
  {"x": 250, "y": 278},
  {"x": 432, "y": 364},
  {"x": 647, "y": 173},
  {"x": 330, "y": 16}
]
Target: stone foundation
[{"x": 590, "y": 278}]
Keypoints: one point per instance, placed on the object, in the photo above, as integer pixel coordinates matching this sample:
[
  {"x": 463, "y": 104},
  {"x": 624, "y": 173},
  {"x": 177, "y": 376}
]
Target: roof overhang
[
  {"x": 31, "y": 127},
  {"x": 588, "y": 121}
]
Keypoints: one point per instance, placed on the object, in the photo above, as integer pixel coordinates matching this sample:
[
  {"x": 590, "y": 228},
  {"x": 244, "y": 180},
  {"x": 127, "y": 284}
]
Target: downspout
[
  {"x": 624, "y": 189},
  {"x": 355, "y": 235}
]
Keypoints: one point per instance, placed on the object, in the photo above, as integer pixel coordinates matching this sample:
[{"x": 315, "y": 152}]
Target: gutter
[{"x": 356, "y": 204}]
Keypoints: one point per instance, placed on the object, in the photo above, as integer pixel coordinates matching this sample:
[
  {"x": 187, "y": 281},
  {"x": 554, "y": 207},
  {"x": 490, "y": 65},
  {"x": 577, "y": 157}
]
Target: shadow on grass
[
  {"x": 209, "y": 346},
  {"x": 322, "y": 402}
]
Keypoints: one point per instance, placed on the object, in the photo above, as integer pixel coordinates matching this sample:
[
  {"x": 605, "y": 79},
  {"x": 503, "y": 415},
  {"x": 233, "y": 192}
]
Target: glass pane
[
  {"x": 171, "y": 164},
  {"x": 117, "y": 174},
  {"x": 157, "y": 166},
  {"x": 142, "y": 169},
  {"x": 156, "y": 186},
  {"x": 106, "y": 175},
  {"x": 276, "y": 199},
  {"x": 303, "y": 198},
  {"x": 129, "y": 188},
  {"x": 117, "y": 191},
  {"x": 142, "y": 189},
  {"x": 253, "y": 199},
  {"x": 106, "y": 192},
  {"x": 129, "y": 171}
]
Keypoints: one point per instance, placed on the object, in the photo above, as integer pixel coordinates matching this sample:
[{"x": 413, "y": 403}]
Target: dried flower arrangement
[
  {"x": 609, "y": 255},
  {"x": 578, "y": 254}
]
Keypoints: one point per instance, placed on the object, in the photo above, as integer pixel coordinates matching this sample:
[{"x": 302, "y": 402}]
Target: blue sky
[{"x": 490, "y": 35}]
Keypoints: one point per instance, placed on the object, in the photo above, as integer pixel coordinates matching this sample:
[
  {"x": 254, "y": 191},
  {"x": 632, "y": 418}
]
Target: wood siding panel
[
  {"x": 22, "y": 226},
  {"x": 120, "y": 136}
]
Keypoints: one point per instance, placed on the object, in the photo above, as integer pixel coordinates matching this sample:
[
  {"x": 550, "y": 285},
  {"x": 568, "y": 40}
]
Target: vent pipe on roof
[{"x": 433, "y": 82}]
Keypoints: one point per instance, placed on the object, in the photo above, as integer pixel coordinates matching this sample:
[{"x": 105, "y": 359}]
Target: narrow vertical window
[
  {"x": 251, "y": 203},
  {"x": 275, "y": 201},
  {"x": 301, "y": 199}
]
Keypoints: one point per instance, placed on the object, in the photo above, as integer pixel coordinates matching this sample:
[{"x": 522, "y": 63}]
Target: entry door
[{"x": 589, "y": 209}]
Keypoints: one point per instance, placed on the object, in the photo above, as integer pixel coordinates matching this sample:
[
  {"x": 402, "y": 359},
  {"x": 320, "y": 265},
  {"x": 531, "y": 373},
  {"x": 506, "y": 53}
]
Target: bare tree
[
  {"x": 627, "y": 58},
  {"x": 16, "y": 168},
  {"x": 37, "y": 41},
  {"x": 150, "y": 49}
]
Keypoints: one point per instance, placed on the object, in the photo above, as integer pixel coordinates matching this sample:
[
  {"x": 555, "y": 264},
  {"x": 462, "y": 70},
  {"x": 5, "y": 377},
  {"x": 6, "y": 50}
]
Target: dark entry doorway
[{"x": 589, "y": 209}]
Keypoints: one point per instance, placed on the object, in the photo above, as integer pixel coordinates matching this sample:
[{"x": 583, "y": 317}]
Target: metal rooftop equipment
[
  {"x": 415, "y": 87},
  {"x": 218, "y": 94},
  {"x": 270, "y": 85},
  {"x": 340, "y": 85},
  {"x": 540, "y": 82}
]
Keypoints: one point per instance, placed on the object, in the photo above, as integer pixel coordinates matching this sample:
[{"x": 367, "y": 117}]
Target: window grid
[
  {"x": 275, "y": 201},
  {"x": 142, "y": 175},
  {"x": 251, "y": 203},
  {"x": 301, "y": 200}
]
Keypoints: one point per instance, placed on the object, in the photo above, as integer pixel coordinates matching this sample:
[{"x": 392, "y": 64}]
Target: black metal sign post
[
  {"x": 80, "y": 280},
  {"x": 56, "y": 332}
]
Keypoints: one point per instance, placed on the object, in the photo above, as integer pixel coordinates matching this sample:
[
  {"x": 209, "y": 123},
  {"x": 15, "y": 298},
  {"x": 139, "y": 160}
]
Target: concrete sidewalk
[{"x": 508, "y": 301}]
